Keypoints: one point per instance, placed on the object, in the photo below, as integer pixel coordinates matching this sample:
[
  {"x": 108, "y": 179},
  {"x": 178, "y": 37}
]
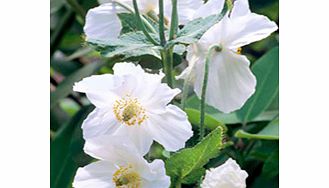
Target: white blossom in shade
[
  {"x": 228, "y": 175},
  {"x": 230, "y": 81},
  {"x": 102, "y": 23},
  {"x": 120, "y": 166},
  {"x": 134, "y": 104}
]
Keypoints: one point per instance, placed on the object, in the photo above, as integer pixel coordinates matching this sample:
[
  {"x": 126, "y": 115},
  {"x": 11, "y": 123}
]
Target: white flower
[
  {"x": 230, "y": 81},
  {"x": 103, "y": 23},
  {"x": 134, "y": 104},
  {"x": 228, "y": 175},
  {"x": 120, "y": 165}
]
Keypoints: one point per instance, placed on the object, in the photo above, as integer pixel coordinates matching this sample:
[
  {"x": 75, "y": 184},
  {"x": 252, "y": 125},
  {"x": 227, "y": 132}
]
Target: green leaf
[
  {"x": 194, "y": 29},
  {"x": 194, "y": 176},
  {"x": 62, "y": 164},
  {"x": 210, "y": 122},
  {"x": 129, "y": 23},
  {"x": 270, "y": 132},
  {"x": 271, "y": 165},
  {"x": 266, "y": 70},
  {"x": 65, "y": 87},
  {"x": 128, "y": 46},
  {"x": 231, "y": 118},
  {"x": 181, "y": 164}
]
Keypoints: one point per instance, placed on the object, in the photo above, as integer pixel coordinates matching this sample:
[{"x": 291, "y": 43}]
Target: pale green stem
[
  {"x": 167, "y": 61},
  {"x": 174, "y": 20},
  {"x": 141, "y": 25},
  {"x": 161, "y": 24},
  {"x": 185, "y": 91},
  {"x": 204, "y": 87}
]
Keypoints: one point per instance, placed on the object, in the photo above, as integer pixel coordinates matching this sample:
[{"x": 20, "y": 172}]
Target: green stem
[
  {"x": 161, "y": 24},
  {"x": 174, "y": 20},
  {"x": 204, "y": 88},
  {"x": 185, "y": 92},
  {"x": 167, "y": 61},
  {"x": 141, "y": 25}
]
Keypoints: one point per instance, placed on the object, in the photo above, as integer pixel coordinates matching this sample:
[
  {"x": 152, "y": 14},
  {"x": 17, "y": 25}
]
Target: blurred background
[{"x": 253, "y": 129}]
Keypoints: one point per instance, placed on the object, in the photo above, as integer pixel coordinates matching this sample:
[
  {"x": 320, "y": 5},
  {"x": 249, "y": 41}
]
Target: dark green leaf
[
  {"x": 266, "y": 70},
  {"x": 62, "y": 163},
  {"x": 65, "y": 87},
  {"x": 271, "y": 165},
  {"x": 181, "y": 164}
]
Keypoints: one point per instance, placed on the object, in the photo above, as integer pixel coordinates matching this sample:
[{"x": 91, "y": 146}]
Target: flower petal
[
  {"x": 138, "y": 137},
  {"x": 186, "y": 9},
  {"x": 230, "y": 81},
  {"x": 117, "y": 149},
  {"x": 99, "y": 122},
  {"x": 246, "y": 27},
  {"x": 99, "y": 88},
  {"x": 102, "y": 23},
  {"x": 155, "y": 175},
  {"x": 209, "y": 8},
  {"x": 171, "y": 129},
  {"x": 97, "y": 174}
]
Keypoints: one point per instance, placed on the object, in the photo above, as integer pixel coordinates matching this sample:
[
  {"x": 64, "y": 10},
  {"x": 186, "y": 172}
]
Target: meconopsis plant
[{"x": 140, "y": 131}]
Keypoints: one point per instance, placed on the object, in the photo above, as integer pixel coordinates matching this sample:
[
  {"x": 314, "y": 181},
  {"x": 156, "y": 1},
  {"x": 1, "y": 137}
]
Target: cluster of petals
[
  {"x": 134, "y": 104},
  {"x": 120, "y": 165},
  {"x": 228, "y": 175},
  {"x": 231, "y": 82}
]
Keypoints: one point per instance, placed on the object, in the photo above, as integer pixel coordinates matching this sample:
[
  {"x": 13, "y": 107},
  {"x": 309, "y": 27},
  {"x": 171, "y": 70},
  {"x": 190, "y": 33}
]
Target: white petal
[
  {"x": 97, "y": 174},
  {"x": 230, "y": 81},
  {"x": 210, "y": 8},
  {"x": 99, "y": 122},
  {"x": 99, "y": 88},
  {"x": 240, "y": 8},
  {"x": 138, "y": 137},
  {"x": 249, "y": 28},
  {"x": 117, "y": 149},
  {"x": 186, "y": 9},
  {"x": 146, "y": 6},
  {"x": 102, "y": 23},
  {"x": 159, "y": 98},
  {"x": 171, "y": 129},
  {"x": 155, "y": 175},
  {"x": 227, "y": 175}
]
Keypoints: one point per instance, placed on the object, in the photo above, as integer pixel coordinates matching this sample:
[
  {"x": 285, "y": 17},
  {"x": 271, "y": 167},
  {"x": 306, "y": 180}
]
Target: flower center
[
  {"x": 126, "y": 177},
  {"x": 238, "y": 51},
  {"x": 129, "y": 111}
]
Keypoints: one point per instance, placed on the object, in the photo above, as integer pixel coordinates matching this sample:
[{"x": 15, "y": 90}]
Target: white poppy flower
[
  {"x": 120, "y": 165},
  {"x": 230, "y": 81},
  {"x": 103, "y": 24},
  {"x": 228, "y": 175},
  {"x": 134, "y": 104}
]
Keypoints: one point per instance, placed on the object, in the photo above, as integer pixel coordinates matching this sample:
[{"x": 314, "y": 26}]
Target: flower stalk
[
  {"x": 212, "y": 48},
  {"x": 174, "y": 20},
  {"x": 141, "y": 25},
  {"x": 167, "y": 61},
  {"x": 161, "y": 23}
]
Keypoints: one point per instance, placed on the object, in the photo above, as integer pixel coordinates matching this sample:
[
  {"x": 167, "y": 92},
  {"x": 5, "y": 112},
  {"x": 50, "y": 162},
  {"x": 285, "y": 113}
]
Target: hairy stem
[{"x": 204, "y": 88}]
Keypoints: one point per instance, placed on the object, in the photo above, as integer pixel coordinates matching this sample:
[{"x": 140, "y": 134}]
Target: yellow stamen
[
  {"x": 129, "y": 111},
  {"x": 238, "y": 51},
  {"x": 126, "y": 177}
]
